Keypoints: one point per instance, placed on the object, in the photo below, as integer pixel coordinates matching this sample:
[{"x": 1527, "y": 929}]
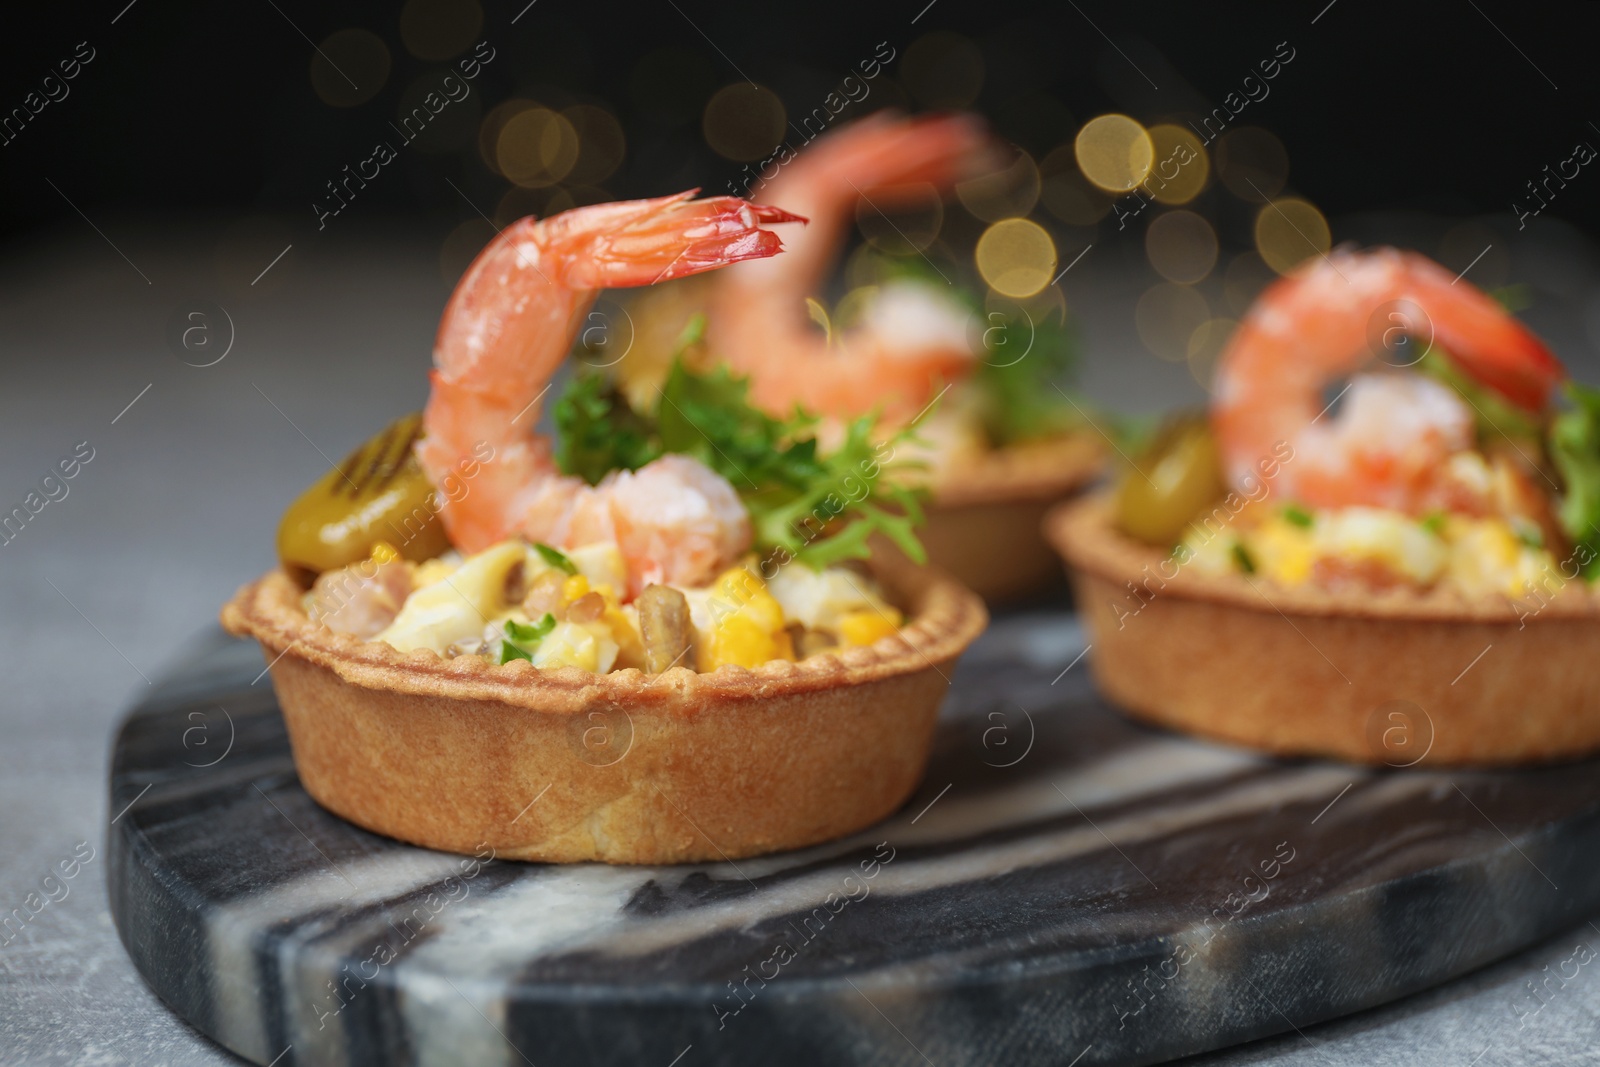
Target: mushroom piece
[{"x": 664, "y": 628}]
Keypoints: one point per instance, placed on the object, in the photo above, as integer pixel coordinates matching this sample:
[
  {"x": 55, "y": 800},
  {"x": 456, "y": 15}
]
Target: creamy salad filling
[
  {"x": 1375, "y": 548},
  {"x": 516, "y": 600}
]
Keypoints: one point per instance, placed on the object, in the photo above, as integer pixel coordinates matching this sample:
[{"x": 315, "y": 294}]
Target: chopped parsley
[
  {"x": 1298, "y": 515},
  {"x": 521, "y": 641},
  {"x": 1241, "y": 556},
  {"x": 818, "y": 508},
  {"x": 555, "y": 557},
  {"x": 1434, "y": 523}
]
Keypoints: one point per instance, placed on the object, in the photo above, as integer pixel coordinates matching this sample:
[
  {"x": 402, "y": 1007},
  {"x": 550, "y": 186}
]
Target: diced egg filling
[
  {"x": 562, "y": 609},
  {"x": 1293, "y": 546}
]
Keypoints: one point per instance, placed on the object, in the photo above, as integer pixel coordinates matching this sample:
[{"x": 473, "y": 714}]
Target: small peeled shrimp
[
  {"x": 1391, "y": 443},
  {"x": 508, "y": 326},
  {"x": 899, "y": 355}
]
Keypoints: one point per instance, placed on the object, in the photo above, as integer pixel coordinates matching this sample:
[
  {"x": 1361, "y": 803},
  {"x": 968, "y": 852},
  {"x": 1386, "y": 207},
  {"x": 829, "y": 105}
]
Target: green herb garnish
[
  {"x": 597, "y": 432},
  {"x": 818, "y": 508},
  {"x": 1241, "y": 556},
  {"x": 521, "y": 641},
  {"x": 1574, "y": 443},
  {"x": 1298, "y": 515},
  {"x": 1496, "y": 416},
  {"x": 1434, "y": 523},
  {"x": 555, "y": 557},
  {"x": 1019, "y": 378}
]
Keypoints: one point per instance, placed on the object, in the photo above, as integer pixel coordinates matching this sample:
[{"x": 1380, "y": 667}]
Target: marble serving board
[{"x": 1066, "y": 888}]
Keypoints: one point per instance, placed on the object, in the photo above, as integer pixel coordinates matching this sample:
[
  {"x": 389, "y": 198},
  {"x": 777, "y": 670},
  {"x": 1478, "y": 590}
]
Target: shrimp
[
  {"x": 508, "y": 326},
  {"x": 898, "y": 356},
  {"x": 1393, "y": 442}
]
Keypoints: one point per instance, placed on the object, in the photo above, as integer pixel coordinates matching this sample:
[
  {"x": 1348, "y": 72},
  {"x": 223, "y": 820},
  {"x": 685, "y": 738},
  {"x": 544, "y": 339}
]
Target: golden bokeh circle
[
  {"x": 744, "y": 122},
  {"x": 1182, "y": 246},
  {"x": 349, "y": 67},
  {"x": 536, "y": 147},
  {"x": 1016, "y": 257},
  {"x": 437, "y": 30},
  {"x": 1289, "y": 231},
  {"x": 1167, "y": 316},
  {"x": 495, "y": 121},
  {"x": 943, "y": 70},
  {"x": 1181, "y": 165},
  {"x": 1252, "y": 163},
  {"x": 1011, "y": 191},
  {"x": 1114, "y": 152},
  {"x": 601, "y": 144}
]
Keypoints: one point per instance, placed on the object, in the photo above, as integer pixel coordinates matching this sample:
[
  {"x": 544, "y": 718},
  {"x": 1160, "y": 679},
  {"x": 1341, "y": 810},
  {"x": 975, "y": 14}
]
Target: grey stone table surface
[{"x": 191, "y": 466}]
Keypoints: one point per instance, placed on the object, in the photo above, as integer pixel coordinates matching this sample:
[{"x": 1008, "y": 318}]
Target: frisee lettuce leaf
[
  {"x": 1496, "y": 416},
  {"x": 1574, "y": 444},
  {"x": 815, "y": 507},
  {"x": 596, "y": 430}
]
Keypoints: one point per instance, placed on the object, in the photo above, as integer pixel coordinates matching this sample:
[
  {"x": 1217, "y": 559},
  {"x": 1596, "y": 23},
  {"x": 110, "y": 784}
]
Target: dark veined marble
[{"x": 1066, "y": 888}]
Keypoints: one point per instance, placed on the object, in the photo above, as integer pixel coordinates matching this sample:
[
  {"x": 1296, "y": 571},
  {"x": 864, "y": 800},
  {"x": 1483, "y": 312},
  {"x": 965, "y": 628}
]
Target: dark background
[{"x": 210, "y": 108}]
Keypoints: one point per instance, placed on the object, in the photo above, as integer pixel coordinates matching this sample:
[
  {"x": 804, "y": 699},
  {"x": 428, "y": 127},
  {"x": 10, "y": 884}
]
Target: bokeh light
[
  {"x": 536, "y": 147},
  {"x": 1181, "y": 165},
  {"x": 437, "y": 30},
  {"x": 1114, "y": 152},
  {"x": 1011, "y": 191},
  {"x": 1252, "y": 163},
  {"x": 1182, "y": 246},
  {"x": 1066, "y": 193},
  {"x": 349, "y": 67},
  {"x": 601, "y": 144},
  {"x": 943, "y": 70},
  {"x": 495, "y": 121},
  {"x": 1289, "y": 231},
  {"x": 744, "y": 122},
  {"x": 1167, "y": 316},
  {"x": 1016, "y": 257}
]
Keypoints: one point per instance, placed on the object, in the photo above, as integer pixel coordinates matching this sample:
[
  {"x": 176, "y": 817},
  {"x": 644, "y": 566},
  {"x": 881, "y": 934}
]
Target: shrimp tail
[
  {"x": 650, "y": 241},
  {"x": 510, "y": 323}
]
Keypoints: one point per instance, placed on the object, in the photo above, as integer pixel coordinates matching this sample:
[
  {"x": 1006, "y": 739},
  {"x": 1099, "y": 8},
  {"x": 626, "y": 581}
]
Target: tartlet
[
  {"x": 1394, "y": 678},
  {"x": 985, "y": 515},
  {"x": 566, "y": 766},
  {"x": 1381, "y": 542},
  {"x": 594, "y": 644}
]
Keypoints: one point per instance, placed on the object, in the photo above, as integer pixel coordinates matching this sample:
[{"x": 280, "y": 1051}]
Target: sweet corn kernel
[
  {"x": 1283, "y": 551},
  {"x": 384, "y": 552},
  {"x": 865, "y": 627},
  {"x": 573, "y": 588},
  {"x": 748, "y": 624}
]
